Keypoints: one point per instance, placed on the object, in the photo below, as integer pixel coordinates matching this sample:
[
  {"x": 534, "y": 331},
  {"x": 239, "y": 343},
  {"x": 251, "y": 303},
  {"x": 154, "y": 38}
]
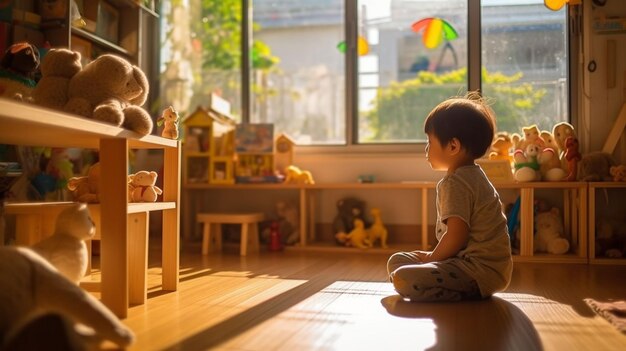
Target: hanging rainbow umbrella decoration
[
  {"x": 434, "y": 31},
  {"x": 362, "y": 47}
]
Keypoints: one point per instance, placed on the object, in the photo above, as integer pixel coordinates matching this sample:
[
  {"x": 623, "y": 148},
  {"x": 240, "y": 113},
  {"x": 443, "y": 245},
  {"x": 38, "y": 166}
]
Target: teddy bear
[
  {"x": 142, "y": 187},
  {"x": 17, "y": 68},
  {"x": 501, "y": 147},
  {"x": 526, "y": 164},
  {"x": 618, "y": 173},
  {"x": 549, "y": 233},
  {"x": 107, "y": 89},
  {"x": 169, "y": 120},
  {"x": 57, "y": 69},
  {"x": 85, "y": 188},
  {"x": 531, "y": 137},
  {"x": 348, "y": 209},
  {"x": 65, "y": 249},
  {"x": 595, "y": 167}
]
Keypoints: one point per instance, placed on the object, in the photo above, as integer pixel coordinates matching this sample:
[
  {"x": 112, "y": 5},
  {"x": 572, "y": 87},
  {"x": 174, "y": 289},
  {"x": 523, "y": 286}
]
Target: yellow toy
[
  {"x": 501, "y": 147},
  {"x": 377, "y": 230},
  {"x": 295, "y": 175},
  {"x": 143, "y": 187},
  {"x": 169, "y": 120},
  {"x": 358, "y": 235}
]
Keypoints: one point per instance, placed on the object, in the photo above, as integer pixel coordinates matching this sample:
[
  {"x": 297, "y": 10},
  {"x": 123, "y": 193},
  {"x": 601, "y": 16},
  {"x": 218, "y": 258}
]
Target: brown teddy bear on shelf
[
  {"x": 108, "y": 89},
  {"x": 142, "y": 187},
  {"x": 618, "y": 173},
  {"x": 57, "y": 69},
  {"x": 85, "y": 189}
]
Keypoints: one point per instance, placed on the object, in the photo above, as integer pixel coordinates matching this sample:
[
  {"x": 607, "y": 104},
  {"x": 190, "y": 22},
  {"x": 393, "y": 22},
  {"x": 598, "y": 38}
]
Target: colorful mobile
[
  {"x": 363, "y": 47},
  {"x": 435, "y": 30}
]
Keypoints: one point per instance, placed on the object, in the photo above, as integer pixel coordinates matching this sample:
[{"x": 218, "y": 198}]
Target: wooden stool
[{"x": 249, "y": 229}]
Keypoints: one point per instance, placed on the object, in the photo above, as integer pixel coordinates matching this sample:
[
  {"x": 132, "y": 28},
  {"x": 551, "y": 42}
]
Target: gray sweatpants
[{"x": 429, "y": 282}]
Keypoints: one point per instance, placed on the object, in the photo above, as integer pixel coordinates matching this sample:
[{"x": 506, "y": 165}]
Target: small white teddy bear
[{"x": 142, "y": 187}]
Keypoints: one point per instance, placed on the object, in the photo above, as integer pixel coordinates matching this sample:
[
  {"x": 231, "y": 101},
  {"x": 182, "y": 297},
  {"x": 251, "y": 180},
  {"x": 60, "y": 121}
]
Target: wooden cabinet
[
  {"x": 607, "y": 222},
  {"x": 28, "y": 125}
]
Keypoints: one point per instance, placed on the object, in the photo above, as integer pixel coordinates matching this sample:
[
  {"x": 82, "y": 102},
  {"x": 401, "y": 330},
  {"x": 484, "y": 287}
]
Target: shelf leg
[
  {"x": 138, "y": 257},
  {"x": 171, "y": 218},
  {"x": 526, "y": 222}
]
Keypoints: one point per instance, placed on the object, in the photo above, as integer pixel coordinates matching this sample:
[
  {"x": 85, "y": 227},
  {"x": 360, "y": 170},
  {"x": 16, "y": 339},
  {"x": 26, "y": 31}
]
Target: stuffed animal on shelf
[
  {"x": 618, "y": 173},
  {"x": 142, "y": 187},
  {"x": 610, "y": 237},
  {"x": 549, "y": 233},
  {"x": 295, "y": 175},
  {"x": 531, "y": 137},
  {"x": 377, "y": 231},
  {"x": 595, "y": 167},
  {"x": 57, "y": 69},
  {"x": 107, "y": 89},
  {"x": 17, "y": 68},
  {"x": 501, "y": 147},
  {"x": 85, "y": 189},
  {"x": 169, "y": 119},
  {"x": 549, "y": 161},
  {"x": 65, "y": 249},
  {"x": 348, "y": 209},
  {"x": 526, "y": 164},
  {"x": 31, "y": 286},
  {"x": 358, "y": 235},
  {"x": 561, "y": 131},
  {"x": 572, "y": 156}
]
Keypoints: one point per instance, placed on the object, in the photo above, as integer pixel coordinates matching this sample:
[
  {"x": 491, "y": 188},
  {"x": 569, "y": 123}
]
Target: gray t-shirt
[{"x": 468, "y": 194}]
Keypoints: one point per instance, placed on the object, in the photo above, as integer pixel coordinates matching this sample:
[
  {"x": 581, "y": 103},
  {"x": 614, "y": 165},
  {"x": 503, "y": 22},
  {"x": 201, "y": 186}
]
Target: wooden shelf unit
[
  {"x": 593, "y": 197},
  {"x": 28, "y": 125},
  {"x": 574, "y": 214}
]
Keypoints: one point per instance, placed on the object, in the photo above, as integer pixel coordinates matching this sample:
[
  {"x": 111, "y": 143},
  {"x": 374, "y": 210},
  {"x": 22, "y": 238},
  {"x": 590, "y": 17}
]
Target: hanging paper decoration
[
  {"x": 434, "y": 31},
  {"x": 555, "y": 5},
  {"x": 363, "y": 47}
]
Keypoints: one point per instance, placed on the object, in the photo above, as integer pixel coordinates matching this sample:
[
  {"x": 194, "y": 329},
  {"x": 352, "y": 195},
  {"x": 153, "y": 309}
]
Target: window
[{"x": 376, "y": 85}]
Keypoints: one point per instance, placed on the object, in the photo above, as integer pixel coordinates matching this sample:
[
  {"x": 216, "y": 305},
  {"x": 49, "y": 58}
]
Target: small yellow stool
[{"x": 249, "y": 229}]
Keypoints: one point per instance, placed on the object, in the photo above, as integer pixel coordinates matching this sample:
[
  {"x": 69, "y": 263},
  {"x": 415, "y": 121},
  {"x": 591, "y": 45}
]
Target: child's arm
[{"x": 452, "y": 241}]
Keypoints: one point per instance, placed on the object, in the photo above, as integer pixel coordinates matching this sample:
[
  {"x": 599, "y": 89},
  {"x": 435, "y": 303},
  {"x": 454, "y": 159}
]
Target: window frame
[{"x": 352, "y": 145}]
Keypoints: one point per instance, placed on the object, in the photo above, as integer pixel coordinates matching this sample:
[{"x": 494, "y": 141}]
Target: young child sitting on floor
[{"x": 472, "y": 258}]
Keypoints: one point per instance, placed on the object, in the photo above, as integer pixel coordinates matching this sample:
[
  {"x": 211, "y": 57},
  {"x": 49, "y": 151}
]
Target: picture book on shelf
[{"x": 254, "y": 138}]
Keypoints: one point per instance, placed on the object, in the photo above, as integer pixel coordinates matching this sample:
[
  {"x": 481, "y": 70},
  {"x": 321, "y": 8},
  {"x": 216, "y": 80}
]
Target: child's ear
[{"x": 454, "y": 145}]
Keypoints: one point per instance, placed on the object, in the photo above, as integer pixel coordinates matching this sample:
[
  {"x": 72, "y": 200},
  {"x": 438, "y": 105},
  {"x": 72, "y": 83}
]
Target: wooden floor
[{"x": 315, "y": 301}]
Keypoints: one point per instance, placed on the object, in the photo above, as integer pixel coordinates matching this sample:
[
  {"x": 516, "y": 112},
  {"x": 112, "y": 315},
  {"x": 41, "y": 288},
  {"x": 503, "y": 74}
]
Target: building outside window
[{"x": 410, "y": 55}]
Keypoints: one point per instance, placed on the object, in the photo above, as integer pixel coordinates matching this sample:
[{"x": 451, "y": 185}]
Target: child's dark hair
[{"x": 467, "y": 118}]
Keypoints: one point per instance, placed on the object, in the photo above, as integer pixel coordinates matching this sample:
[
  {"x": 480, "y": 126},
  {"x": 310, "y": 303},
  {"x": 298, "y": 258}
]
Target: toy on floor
[
  {"x": 549, "y": 233},
  {"x": 358, "y": 236},
  {"x": 17, "y": 68},
  {"x": 572, "y": 156},
  {"x": 85, "y": 188},
  {"x": 65, "y": 249},
  {"x": 526, "y": 164},
  {"x": 142, "y": 187},
  {"x": 31, "y": 286},
  {"x": 169, "y": 119},
  {"x": 377, "y": 231},
  {"x": 618, "y": 173},
  {"x": 348, "y": 209},
  {"x": 295, "y": 175}
]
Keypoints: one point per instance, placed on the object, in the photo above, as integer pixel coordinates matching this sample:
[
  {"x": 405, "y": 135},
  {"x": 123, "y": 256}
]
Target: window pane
[
  {"x": 298, "y": 70},
  {"x": 208, "y": 63},
  {"x": 525, "y": 63},
  {"x": 417, "y": 58}
]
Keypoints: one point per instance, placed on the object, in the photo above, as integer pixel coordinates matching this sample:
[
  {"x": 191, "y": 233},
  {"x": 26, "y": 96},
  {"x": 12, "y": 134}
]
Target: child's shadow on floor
[{"x": 492, "y": 324}]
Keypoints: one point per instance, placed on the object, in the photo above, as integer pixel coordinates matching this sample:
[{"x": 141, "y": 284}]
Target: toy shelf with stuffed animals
[
  {"x": 607, "y": 222},
  {"x": 29, "y": 125}
]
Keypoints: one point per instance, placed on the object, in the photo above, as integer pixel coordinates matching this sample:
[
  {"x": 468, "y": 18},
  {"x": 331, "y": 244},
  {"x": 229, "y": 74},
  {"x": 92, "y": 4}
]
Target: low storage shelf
[
  {"x": 607, "y": 222},
  {"x": 28, "y": 125}
]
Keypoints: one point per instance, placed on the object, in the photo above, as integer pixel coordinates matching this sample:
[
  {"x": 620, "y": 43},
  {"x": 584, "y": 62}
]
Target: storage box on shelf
[
  {"x": 33, "y": 126},
  {"x": 574, "y": 220},
  {"x": 607, "y": 206}
]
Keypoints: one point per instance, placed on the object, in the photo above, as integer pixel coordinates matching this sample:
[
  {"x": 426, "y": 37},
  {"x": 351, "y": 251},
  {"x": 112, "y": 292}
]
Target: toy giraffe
[{"x": 377, "y": 230}]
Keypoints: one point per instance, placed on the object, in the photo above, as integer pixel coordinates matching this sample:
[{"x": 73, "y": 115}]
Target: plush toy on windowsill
[
  {"x": 108, "y": 89},
  {"x": 142, "y": 188},
  {"x": 18, "y": 66}
]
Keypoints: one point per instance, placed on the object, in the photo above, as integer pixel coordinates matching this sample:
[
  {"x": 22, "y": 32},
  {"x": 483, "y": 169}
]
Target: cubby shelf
[{"x": 593, "y": 214}]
